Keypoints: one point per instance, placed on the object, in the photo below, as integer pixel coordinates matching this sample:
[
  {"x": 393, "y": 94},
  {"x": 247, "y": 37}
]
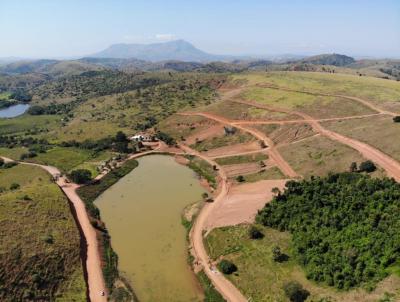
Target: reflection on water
[{"x": 143, "y": 215}]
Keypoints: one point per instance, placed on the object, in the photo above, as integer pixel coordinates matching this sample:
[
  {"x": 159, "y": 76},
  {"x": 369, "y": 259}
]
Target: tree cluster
[{"x": 345, "y": 226}]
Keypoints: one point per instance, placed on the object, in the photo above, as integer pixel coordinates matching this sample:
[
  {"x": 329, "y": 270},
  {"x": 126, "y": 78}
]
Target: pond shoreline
[{"x": 103, "y": 235}]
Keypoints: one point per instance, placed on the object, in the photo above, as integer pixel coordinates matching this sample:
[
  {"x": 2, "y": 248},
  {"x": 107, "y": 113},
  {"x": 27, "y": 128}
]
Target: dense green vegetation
[{"x": 345, "y": 227}]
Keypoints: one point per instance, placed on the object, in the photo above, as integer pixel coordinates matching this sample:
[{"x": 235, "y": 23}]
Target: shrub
[
  {"x": 367, "y": 166},
  {"x": 255, "y": 233},
  {"x": 1, "y": 162},
  {"x": 14, "y": 186},
  {"x": 353, "y": 167},
  {"x": 277, "y": 254},
  {"x": 81, "y": 176},
  {"x": 396, "y": 119},
  {"x": 240, "y": 178},
  {"x": 295, "y": 292},
  {"x": 227, "y": 267},
  {"x": 9, "y": 165}
]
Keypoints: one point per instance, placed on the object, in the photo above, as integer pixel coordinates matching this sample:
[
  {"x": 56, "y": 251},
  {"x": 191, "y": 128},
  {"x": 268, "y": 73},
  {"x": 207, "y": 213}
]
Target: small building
[{"x": 141, "y": 137}]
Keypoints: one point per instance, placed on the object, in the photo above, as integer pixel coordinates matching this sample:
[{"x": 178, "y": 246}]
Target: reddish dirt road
[
  {"x": 223, "y": 285},
  {"x": 96, "y": 282},
  {"x": 272, "y": 152},
  {"x": 391, "y": 166}
]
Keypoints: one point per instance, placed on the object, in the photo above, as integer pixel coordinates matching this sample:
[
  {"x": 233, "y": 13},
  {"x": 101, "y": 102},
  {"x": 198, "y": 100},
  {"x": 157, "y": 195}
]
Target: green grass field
[
  {"x": 224, "y": 140},
  {"x": 318, "y": 156},
  {"x": 240, "y": 159},
  {"x": 67, "y": 159},
  {"x": 28, "y": 124},
  {"x": 39, "y": 241},
  {"x": 261, "y": 279},
  {"x": 379, "y": 91}
]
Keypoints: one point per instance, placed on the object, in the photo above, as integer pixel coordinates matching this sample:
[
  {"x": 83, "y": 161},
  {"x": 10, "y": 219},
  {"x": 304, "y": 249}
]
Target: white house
[{"x": 141, "y": 138}]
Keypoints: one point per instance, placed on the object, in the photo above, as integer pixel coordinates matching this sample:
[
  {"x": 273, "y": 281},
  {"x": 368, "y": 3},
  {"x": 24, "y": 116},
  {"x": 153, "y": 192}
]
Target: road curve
[
  {"x": 391, "y": 166},
  {"x": 223, "y": 285},
  {"x": 96, "y": 284}
]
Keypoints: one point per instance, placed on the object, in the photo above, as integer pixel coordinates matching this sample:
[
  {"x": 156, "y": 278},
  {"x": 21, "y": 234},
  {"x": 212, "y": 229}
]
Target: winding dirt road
[
  {"x": 391, "y": 166},
  {"x": 96, "y": 284},
  {"x": 223, "y": 285}
]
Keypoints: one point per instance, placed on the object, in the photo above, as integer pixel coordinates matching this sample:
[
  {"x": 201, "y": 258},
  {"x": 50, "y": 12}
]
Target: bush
[
  {"x": 36, "y": 110},
  {"x": 81, "y": 176},
  {"x": 240, "y": 178},
  {"x": 367, "y": 166},
  {"x": 1, "y": 162},
  {"x": 295, "y": 292},
  {"x": 9, "y": 165},
  {"x": 255, "y": 233},
  {"x": 396, "y": 119},
  {"x": 14, "y": 186},
  {"x": 227, "y": 267},
  {"x": 277, "y": 254}
]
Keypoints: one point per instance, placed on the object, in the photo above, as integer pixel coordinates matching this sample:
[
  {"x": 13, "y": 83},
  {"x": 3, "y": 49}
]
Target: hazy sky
[{"x": 44, "y": 28}]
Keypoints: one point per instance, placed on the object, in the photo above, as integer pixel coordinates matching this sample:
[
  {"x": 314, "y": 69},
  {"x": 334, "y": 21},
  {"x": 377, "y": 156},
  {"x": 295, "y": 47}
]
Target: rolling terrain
[{"x": 245, "y": 134}]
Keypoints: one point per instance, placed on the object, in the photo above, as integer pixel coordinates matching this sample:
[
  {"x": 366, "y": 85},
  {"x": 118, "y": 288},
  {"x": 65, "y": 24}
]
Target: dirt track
[
  {"x": 391, "y": 166},
  {"x": 96, "y": 282},
  {"x": 223, "y": 285}
]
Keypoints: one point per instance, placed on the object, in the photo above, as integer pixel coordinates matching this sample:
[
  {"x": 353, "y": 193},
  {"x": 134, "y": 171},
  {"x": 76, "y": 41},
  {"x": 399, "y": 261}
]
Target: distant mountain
[
  {"x": 329, "y": 59},
  {"x": 178, "y": 50}
]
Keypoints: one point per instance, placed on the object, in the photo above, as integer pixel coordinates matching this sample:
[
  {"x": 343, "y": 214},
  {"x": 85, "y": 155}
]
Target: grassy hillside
[{"x": 39, "y": 242}]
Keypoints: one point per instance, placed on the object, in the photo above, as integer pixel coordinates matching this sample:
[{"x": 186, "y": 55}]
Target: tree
[
  {"x": 121, "y": 147},
  {"x": 275, "y": 191},
  {"x": 227, "y": 267},
  {"x": 353, "y": 167},
  {"x": 204, "y": 195},
  {"x": 255, "y": 233},
  {"x": 367, "y": 166},
  {"x": 295, "y": 292},
  {"x": 396, "y": 119},
  {"x": 1, "y": 162},
  {"x": 81, "y": 176},
  {"x": 121, "y": 137},
  {"x": 36, "y": 110},
  {"x": 240, "y": 178}
]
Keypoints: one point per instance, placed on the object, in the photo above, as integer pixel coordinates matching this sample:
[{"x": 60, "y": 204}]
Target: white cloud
[{"x": 165, "y": 37}]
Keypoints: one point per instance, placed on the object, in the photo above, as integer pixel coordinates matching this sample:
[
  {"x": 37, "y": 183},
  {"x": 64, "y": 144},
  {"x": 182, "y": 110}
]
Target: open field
[
  {"x": 179, "y": 126},
  {"x": 222, "y": 140},
  {"x": 284, "y": 134},
  {"x": 268, "y": 173},
  {"x": 318, "y": 156},
  {"x": 262, "y": 279},
  {"x": 385, "y": 93},
  {"x": 241, "y": 159},
  {"x": 29, "y": 125},
  {"x": 379, "y": 132},
  {"x": 315, "y": 106},
  {"x": 13, "y": 153},
  {"x": 67, "y": 159},
  {"x": 39, "y": 240}
]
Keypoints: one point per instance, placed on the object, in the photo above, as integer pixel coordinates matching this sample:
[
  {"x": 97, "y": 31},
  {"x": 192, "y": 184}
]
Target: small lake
[
  {"x": 142, "y": 212},
  {"x": 13, "y": 111}
]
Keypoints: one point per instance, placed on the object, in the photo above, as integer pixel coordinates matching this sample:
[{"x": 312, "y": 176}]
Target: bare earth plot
[{"x": 242, "y": 202}]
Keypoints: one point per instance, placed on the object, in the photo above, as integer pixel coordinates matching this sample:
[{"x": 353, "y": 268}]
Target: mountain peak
[{"x": 163, "y": 51}]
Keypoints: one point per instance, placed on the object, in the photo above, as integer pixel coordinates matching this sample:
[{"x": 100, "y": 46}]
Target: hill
[
  {"x": 174, "y": 50},
  {"x": 330, "y": 59}
]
